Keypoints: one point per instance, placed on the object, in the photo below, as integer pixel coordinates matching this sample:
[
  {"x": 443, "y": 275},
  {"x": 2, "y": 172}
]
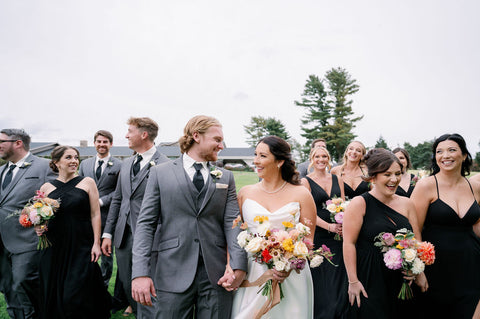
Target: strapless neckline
[{"x": 297, "y": 204}]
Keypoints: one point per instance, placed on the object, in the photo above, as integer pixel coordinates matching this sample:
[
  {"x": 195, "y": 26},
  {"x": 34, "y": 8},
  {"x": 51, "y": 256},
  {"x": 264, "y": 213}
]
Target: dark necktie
[
  {"x": 198, "y": 177},
  {"x": 136, "y": 165},
  {"x": 8, "y": 176},
  {"x": 98, "y": 172}
]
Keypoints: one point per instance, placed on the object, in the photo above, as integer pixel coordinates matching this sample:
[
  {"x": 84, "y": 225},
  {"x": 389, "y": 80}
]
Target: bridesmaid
[
  {"x": 407, "y": 183},
  {"x": 449, "y": 213},
  {"x": 329, "y": 282},
  {"x": 352, "y": 170},
  {"x": 372, "y": 287}
]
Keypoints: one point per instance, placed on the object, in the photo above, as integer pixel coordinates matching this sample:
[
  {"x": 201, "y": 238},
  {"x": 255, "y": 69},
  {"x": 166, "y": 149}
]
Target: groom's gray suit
[
  {"x": 19, "y": 255},
  {"x": 190, "y": 231},
  {"x": 123, "y": 212}
]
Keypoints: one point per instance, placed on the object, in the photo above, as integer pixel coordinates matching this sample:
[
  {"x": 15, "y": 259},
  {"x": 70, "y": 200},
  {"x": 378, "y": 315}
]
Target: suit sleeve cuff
[
  {"x": 107, "y": 235},
  {"x": 101, "y": 202}
]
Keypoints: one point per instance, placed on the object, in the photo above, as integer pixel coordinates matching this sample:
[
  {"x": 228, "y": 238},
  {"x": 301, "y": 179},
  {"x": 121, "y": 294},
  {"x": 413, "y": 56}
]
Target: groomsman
[
  {"x": 104, "y": 170},
  {"x": 186, "y": 219},
  {"x": 127, "y": 200},
  {"x": 21, "y": 176}
]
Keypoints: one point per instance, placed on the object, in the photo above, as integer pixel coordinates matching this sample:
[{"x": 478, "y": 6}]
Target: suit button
[{"x": 195, "y": 240}]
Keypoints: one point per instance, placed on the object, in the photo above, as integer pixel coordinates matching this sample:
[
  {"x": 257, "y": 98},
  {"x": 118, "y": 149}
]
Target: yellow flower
[
  {"x": 287, "y": 244},
  {"x": 287, "y": 224},
  {"x": 260, "y": 219},
  {"x": 399, "y": 246},
  {"x": 37, "y": 205}
]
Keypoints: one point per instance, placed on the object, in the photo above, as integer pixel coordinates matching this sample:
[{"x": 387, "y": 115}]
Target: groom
[{"x": 194, "y": 205}]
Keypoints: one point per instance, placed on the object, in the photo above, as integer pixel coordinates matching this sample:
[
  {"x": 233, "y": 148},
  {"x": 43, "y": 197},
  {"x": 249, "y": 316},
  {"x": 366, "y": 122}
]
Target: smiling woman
[{"x": 448, "y": 212}]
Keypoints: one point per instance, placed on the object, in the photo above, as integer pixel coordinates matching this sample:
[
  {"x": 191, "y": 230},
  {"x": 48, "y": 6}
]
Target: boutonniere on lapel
[
  {"x": 216, "y": 173},
  {"x": 26, "y": 164},
  {"x": 109, "y": 163},
  {"x": 152, "y": 163}
]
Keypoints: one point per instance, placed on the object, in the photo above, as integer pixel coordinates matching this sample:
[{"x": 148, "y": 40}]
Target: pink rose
[
  {"x": 339, "y": 218},
  {"x": 389, "y": 239}
]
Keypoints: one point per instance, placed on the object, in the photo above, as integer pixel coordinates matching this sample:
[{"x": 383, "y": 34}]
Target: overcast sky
[{"x": 69, "y": 68}]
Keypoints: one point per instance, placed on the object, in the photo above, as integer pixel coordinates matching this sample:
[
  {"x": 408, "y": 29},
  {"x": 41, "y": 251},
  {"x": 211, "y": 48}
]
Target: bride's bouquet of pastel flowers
[
  {"x": 403, "y": 251},
  {"x": 37, "y": 212},
  {"x": 281, "y": 248},
  {"x": 336, "y": 206}
]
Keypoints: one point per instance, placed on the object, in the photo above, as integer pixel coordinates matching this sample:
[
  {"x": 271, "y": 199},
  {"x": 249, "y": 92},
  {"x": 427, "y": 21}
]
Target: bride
[{"x": 279, "y": 196}]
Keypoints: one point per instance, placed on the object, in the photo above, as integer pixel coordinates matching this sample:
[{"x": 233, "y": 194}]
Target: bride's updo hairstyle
[
  {"x": 379, "y": 160},
  {"x": 282, "y": 152},
  {"x": 457, "y": 138},
  {"x": 57, "y": 154},
  {"x": 199, "y": 124}
]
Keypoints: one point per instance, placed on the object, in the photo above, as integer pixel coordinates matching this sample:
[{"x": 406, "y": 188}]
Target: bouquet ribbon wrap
[{"x": 274, "y": 297}]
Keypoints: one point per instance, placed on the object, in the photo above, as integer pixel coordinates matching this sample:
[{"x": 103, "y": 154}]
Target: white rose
[
  {"x": 418, "y": 266},
  {"x": 409, "y": 254},
  {"x": 332, "y": 208},
  {"x": 316, "y": 261},
  {"x": 254, "y": 245},
  {"x": 46, "y": 211},
  {"x": 300, "y": 249},
  {"x": 243, "y": 238},
  {"x": 304, "y": 230},
  {"x": 279, "y": 265},
  {"x": 263, "y": 228}
]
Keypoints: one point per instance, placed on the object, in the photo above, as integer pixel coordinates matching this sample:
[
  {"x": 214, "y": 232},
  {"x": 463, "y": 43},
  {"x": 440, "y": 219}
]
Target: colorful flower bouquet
[
  {"x": 37, "y": 212},
  {"x": 336, "y": 206},
  {"x": 283, "y": 249},
  {"x": 403, "y": 251}
]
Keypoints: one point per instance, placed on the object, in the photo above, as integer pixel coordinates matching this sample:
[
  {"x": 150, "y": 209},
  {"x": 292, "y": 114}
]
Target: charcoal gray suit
[
  {"x": 106, "y": 187},
  {"x": 190, "y": 232},
  {"x": 18, "y": 246},
  {"x": 122, "y": 216}
]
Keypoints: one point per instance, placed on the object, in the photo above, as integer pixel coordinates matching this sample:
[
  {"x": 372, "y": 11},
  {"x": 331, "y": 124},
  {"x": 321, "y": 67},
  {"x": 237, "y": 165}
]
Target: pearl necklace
[{"x": 274, "y": 191}]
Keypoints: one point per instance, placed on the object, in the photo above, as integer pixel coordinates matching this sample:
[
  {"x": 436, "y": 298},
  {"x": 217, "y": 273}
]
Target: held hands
[
  {"x": 231, "y": 279},
  {"x": 142, "y": 288},
  {"x": 96, "y": 252},
  {"x": 354, "y": 290},
  {"x": 107, "y": 246}
]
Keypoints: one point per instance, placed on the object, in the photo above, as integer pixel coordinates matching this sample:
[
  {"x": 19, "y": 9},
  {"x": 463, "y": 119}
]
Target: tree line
[{"x": 329, "y": 115}]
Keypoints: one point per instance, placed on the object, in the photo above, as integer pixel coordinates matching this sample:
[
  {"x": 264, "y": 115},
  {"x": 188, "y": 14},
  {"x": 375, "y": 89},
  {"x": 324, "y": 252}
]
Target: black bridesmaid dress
[
  {"x": 330, "y": 283},
  {"x": 71, "y": 284},
  {"x": 400, "y": 191},
  {"x": 381, "y": 284},
  {"x": 454, "y": 277},
  {"x": 350, "y": 193}
]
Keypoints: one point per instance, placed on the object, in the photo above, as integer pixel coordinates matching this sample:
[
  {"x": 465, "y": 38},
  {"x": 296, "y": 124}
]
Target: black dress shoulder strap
[
  {"x": 436, "y": 183},
  {"x": 471, "y": 188},
  {"x": 63, "y": 188}
]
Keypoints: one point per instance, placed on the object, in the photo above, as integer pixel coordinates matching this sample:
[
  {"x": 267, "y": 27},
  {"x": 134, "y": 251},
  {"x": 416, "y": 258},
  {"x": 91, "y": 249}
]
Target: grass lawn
[{"x": 241, "y": 179}]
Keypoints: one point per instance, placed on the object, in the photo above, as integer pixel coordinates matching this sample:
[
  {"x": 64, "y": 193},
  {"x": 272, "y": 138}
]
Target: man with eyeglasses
[{"x": 20, "y": 177}]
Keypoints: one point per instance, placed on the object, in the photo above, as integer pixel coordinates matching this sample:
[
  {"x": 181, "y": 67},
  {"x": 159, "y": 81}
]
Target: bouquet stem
[
  {"x": 43, "y": 242},
  {"x": 406, "y": 292}
]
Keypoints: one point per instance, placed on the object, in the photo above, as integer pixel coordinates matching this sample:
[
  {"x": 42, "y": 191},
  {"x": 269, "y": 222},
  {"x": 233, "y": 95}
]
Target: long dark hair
[
  {"x": 282, "y": 152},
  {"x": 457, "y": 138},
  {"x": 379, "y": 160}
]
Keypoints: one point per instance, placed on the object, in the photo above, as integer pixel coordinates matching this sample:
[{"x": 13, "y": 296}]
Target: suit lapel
[
  {"x": 126, "y": 176},
  {"x": 188, "y": 190},
  {"x": 144, "y": 171},
  {"x": 21, "y": 171},
  {"x": 209, "y": 191}
]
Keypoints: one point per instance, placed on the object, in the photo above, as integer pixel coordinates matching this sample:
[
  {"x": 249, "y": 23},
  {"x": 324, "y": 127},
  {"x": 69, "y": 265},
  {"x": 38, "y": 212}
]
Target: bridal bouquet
[
  {"x": 336, "y": 206},
  {"x": 38, "y": 211},
  {"x": 281, "y": 248},
  {"x": 403, "y": 251}
]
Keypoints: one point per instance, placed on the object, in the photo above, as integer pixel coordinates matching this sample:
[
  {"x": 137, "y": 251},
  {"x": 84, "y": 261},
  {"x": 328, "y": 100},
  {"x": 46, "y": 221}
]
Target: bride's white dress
[{"x": 297, "y": 288}]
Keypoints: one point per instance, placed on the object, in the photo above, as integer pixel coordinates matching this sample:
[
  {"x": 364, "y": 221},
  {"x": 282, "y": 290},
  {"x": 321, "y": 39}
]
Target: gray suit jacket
[
  {"x": 169, "y": 202},
  {"x": 127, "y": 199},
  {"x": 303, "y": 169},
  {"x": 29, "y": 178},
  {"x": 107, "y": 182}
]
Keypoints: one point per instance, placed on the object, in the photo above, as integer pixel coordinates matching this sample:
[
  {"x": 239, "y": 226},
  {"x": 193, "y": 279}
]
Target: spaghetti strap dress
[
  {"x": 406, "y": 193},
  {"x": 454, "y": 277},
  {"x": 71, "y": 285},
  {"x": 381, "y": 284},
  {"x": 330, "y": 283}
]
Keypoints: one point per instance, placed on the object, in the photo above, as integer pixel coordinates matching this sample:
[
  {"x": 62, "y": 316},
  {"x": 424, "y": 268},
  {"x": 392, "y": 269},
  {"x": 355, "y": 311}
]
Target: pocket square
[{"x": 220, "y": 185}]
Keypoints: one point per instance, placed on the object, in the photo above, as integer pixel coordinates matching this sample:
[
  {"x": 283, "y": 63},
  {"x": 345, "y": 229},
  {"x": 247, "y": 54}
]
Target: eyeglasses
[{"x": 4, "y": 141}]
